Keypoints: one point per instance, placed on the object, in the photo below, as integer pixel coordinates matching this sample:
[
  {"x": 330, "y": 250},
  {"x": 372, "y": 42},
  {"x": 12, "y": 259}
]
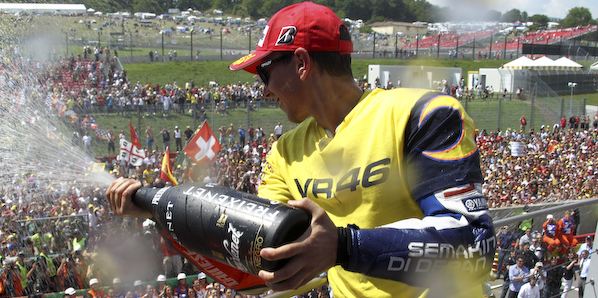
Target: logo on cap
[
  {"x": 260, "y": 43},
  {"x": 287, "y": 35}
]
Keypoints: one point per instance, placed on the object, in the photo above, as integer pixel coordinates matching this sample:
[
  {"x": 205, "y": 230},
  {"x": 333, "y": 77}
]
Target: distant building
[
  {"x": 43, "y": 8},
  {"x": 403, "y": 28}
]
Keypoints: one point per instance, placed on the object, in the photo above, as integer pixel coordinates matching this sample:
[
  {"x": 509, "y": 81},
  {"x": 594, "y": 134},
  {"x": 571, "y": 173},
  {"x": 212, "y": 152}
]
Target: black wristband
[{"x": 343, "y": 251}]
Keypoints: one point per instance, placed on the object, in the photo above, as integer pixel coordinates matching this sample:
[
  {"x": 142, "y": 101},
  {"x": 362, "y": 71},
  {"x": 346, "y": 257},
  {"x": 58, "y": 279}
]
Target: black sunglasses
[{"x": 260, "y": 68}]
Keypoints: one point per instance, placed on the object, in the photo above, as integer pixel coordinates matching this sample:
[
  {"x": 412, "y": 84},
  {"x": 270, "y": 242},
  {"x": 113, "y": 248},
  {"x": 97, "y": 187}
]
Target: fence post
[
  {"x": 584, "y": 106},
  {"x": 499, "y": 110},
  {"x": 531, "y": 118},
  {"x": 562, "y": 108}
]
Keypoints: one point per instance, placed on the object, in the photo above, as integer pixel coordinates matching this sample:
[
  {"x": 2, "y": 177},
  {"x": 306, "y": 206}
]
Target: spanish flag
[{"x": 166, "y": 173}]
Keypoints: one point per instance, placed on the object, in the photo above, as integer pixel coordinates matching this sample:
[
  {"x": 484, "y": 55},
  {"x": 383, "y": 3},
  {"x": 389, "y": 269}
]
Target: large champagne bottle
[{"x": 224, "y": 224}]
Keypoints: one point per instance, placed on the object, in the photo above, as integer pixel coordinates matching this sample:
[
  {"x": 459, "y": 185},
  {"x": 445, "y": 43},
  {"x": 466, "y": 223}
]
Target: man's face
[
  {"x": 149, "y": 289},
  {"x": 281, "y": 86},
  {"x": 519, "y": 262},
  {"x": 528, "y": 232},
  {"x": 532, "y": 282},
  {"x": 584, "y": 254}
]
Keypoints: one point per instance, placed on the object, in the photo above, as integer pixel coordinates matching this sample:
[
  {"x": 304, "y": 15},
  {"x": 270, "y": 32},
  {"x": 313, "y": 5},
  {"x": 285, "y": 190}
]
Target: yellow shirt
[{"x": 358, "y": 176}]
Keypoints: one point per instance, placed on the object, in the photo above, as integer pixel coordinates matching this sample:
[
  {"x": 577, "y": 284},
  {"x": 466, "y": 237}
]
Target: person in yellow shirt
[
  {"x": 391, "y": 178},
  {"x": 148, "y": 175}
]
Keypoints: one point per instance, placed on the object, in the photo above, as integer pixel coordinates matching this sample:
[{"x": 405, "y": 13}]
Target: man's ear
[{"x": 304, "y": 63}]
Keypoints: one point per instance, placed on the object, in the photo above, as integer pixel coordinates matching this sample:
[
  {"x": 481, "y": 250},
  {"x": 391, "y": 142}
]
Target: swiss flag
[{"x": 203, "y": 147}]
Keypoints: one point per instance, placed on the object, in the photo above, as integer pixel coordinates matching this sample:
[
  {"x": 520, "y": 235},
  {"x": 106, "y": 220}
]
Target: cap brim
[{"x": 249, "y": 62}]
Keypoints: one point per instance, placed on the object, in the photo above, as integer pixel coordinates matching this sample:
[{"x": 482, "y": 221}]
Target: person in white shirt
[
  {"x": 586, "y": 246},
  {"x": 584, "y": 266},
  {"x": 540, "y": 276},
  {"x": 530, "y": 289}
]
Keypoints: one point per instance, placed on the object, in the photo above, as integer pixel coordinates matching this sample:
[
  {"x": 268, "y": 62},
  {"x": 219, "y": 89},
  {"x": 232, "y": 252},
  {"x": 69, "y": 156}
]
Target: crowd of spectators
[{"x": 57, "y": 233}]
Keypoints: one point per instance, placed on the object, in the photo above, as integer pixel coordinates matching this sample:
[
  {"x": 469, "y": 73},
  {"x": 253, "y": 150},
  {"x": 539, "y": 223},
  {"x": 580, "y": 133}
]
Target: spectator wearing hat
[
  {"x": 138, "y": 289},
  {"x": 199, "y": 285},
  {"x": 70, "y": 293},
  {"x": 586, "y": 246},
  {"x": 161, "y": 283},
  {"x": 178, "y": 138},
  {"x": 118, "y": 289},
  {"x": 540, "y": 274},
  {"x": 552, "y": 233},
  {"x": 529, "y": 256},
  {"x": 506, "y": 240},
  {"x": 95, "y": 290},
  {"x": 180, "y": 290},
  {"x": 78, "y": 240},
  {"x": 510, "y": 261},
  {"x": 23, "y": 272}
]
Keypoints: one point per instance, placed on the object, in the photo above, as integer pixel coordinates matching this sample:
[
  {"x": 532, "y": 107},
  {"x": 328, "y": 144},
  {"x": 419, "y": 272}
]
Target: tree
[
  {"x": 512, "y": 16},
  {"x": 493, "y": 15},
  {"x": 577, "y": 16},
  {"x": 540, "y": 21},
  {"x": 524, "y": 16}
]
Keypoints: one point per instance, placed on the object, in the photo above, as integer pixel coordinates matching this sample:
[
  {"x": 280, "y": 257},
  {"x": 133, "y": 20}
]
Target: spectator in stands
[
  {"x": 518, "y": 275},
  {"x": 587, "y": 245},
  {"x": 506, "y": 241},
  {"x": 95, "y": 290},
  {"x": 526, "y": 238},
  {"x": 180, "y": 290},
  {"x": 119, "y": 292},
  {"x": 554, "y": 273}
]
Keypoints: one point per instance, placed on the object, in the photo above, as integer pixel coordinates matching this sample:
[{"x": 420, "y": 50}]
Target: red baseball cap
[{"x": 308, "y": 25}]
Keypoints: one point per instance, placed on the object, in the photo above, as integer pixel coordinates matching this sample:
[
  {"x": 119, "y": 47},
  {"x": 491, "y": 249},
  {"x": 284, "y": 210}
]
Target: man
[
  {"x": 241, "y": 132},
  {"x": 584, "y": 266},
  {"x": 540, "y": 276},
  {"x": 585, "y": 246},
  {"x": 554, "y": 273},
  {"x": 567, "y": 227},
  {"x": 408, "y": 195},
  {"x": 199, "y": 285},
  {"x": 527, "y": 238},
  {"x": 523, "y": 122},
  {"x": 518, "y": 274},
  {"x": 530, "y": 289},
  {"x": 95, "y": 290},
  {"x": 529, "y": 257},
  {"x": 278, "y": 130},
  {"x": 117, "y": 286},
  {"x": 231, "y": 132},
  {"x": 505, "y": 240},
  {"x": 137, "y": 285},
  {"x": 569, "y": 273},
  {"x": 510, "y": 261},
  {"x": 149, "y": 135},
  {"x": 149, "y": 292},
  {"x": 188, "y": 134},
  {"x": 178, "y": 138},
  {"x": 552, "y": 234},
  {"x": 165, "y": 138},
  {"x": 161, "y": 279}
]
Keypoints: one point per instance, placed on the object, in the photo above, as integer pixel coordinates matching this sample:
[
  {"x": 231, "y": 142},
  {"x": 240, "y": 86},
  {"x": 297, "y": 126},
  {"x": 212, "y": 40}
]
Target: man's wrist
[{"x": 343, "y": 251}]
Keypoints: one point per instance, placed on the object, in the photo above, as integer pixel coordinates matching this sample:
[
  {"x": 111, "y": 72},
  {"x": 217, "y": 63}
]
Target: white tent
[
  {"x": 520, "y": 63},
  {"x": 91, "y": 10},
  {"x": 568, "y": 64},
  {"x": 594, "y": 67}
]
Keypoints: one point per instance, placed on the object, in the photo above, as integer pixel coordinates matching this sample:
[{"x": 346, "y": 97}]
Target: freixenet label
[{"x": 247, "y": 206}]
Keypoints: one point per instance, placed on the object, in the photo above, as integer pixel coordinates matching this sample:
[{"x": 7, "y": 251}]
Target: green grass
[{"x": 266, "y": 117}]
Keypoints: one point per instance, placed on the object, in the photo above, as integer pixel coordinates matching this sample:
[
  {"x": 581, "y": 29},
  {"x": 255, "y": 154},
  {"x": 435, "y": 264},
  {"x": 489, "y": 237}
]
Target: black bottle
[{"x": 223, "y": 224}]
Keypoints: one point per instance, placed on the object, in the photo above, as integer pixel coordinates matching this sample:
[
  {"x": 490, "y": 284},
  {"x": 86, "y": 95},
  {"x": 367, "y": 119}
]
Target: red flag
[
  {"x": 134, "y": 138},
  {"x": 203, "y": 147},
  {"x": 166, "y": 173}
]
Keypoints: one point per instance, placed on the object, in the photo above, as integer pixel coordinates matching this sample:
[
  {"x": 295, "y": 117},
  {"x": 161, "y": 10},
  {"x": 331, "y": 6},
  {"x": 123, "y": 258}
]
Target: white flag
[{"x": 131, "y": 153}]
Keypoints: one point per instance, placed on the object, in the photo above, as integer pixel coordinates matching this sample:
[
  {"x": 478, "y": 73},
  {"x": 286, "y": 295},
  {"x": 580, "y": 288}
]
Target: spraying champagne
[{"x": 224, "y": 224}]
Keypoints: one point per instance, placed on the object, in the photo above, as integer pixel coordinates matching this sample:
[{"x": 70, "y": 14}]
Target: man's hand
[
  {"x": 119, "y": 195},
  {"x": 313, "y": 253}
]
